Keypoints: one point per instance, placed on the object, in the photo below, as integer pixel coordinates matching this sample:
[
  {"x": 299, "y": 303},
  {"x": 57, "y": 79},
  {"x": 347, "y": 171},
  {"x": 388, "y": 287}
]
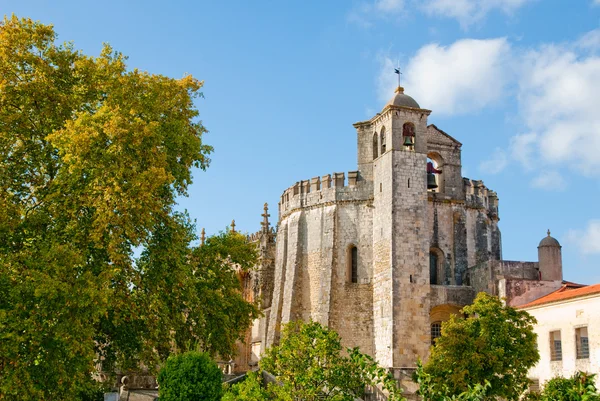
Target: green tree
[
  {"x": 431, "y": 391},
  {"x": 191, "y": 376},
  {"x": 309, "y": 365},
  {"x": 250, "y": 389},
  {"x": 92, "y": 159},
  {"x": 495, "y": 344},
  {"x": 579, "y": 387}
]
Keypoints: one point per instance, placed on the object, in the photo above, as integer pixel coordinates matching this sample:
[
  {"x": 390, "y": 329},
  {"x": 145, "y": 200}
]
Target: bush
[
  {"x": 249, "y": 390},
  {"x": 191, "y": 376},
  {"x": 579, "y": 387}
]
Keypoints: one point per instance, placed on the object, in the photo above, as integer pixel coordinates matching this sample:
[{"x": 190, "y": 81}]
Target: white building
[{"x": 568, "y": 329}]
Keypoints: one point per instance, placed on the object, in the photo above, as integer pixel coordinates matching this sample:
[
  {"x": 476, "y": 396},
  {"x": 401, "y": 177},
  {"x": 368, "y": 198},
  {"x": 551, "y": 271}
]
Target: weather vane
[{"x": 397, "y": 71}]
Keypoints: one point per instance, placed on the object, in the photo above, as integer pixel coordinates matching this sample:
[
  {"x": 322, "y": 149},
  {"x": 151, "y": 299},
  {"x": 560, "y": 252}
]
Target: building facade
[
  {"x": 568, "y": 329},
  {"x": 387, "y": 252}
]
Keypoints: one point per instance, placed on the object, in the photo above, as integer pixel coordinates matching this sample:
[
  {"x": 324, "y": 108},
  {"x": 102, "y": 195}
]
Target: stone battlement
[
  {"x": 323, "y": 190},
  {"x": 255, "y": 237},
  {"x": 477, "y": 195}
]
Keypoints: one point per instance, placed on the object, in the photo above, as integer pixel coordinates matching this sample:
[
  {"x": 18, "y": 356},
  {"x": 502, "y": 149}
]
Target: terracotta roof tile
[{"x": 567, "y": 291}]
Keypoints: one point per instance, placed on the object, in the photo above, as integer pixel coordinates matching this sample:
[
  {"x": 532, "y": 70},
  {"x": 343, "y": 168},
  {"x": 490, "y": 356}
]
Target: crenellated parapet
[
  {"x": 478, "y": 196},
  {"x": 257, "y": 236},
  {"x": 326, "y": 189}
]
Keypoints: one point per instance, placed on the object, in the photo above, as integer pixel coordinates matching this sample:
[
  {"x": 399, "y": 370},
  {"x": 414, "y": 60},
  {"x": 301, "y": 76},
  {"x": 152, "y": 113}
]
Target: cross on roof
[{"x": 397, "y": 71}]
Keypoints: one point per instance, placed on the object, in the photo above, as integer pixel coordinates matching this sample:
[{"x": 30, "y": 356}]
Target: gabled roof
[
  {"x": 444, "y": 134},
  {"x": 567, "y": 291}
]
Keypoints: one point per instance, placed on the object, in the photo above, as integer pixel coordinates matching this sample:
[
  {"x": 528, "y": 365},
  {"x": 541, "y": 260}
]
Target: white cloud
[
  {"x": 557, "y": 87},
  {"x": 495, "y": 163},
  {"x": 464, "y": 77},
  {"x": 591, "y": 40},
  {"x": 549, "y": 180},
  {"x": 587, "y": 240},
  {"x": 468, "y": 12},
  {"x": 558, "y": 99},
  {"x": 522, "y": 149},
  {"x": 389, "y": 5},
  {"x": 363, "y": 13}
]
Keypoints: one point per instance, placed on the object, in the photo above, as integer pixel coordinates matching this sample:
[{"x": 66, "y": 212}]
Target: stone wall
[
  {"x": 351, "y": 309},
  {"x": 383, "y": 324},
  {"x": 484, "y": 276},
  {"x": 520, "y": 291},
  {"x": 451, "y": 294},
  {"x": 410, "y": 253}
]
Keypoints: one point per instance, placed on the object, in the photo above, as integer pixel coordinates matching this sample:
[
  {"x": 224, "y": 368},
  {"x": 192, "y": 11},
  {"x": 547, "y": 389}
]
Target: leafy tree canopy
[
  {"x": 495, "y": 344},
  {"x": 309, "y": 365},
  {"x": 579, "y": 387},
  {"x": 251, "y": 389},
  {"x": 92, "y": 159}
]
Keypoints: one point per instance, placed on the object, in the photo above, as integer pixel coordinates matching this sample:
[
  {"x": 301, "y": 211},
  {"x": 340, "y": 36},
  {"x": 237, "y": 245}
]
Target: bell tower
[{"x": 400, "y": 231}]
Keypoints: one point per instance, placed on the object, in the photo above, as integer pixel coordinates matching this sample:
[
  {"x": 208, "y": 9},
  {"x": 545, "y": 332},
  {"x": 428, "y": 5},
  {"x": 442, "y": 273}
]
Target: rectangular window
[
  {"x": 433, "y": 268},
  {"x": 555, "y": 346},
  {"x": 354, "y": 255},
  {"x": 534, "y": 385},
  {"x": 581, "y": 343},
  {"x": 436, "y": 331}
]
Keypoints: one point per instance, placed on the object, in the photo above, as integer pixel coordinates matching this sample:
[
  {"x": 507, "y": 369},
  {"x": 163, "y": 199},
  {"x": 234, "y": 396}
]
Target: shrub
[
  {"x": 579, "y": 387},
  {"x": 249, "y": 390},
  {"x": 191, "y": 376}
]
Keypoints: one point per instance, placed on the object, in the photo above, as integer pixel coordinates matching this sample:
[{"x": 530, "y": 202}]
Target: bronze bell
[
  {"x": 431, "y": 182},
  {"x": 409, "y": 141}
]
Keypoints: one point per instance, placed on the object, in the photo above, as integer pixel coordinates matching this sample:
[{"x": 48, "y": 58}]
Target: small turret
[
  {"x": 265, "y": 223},
  {"x": 550, "y": 259}
]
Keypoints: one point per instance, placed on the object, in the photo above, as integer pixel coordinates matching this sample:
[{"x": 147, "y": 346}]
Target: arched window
[
  {"x": 375, "y": 146},
  {"x": 435, "y": 177},
  {"x": 382, "y": 140},
  {"x": 408, "y": 134},
  {"x": 433, "y": 268},
  {"x": 353, "y": 264},
  {"x": 436, "y": 331}
]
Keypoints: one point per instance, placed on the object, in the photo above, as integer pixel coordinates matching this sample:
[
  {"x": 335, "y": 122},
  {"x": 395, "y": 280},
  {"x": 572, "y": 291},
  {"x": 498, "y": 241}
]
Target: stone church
[{"x": 386, "y": 253}]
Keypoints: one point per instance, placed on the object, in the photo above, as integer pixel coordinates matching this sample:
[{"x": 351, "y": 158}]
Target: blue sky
[{"x": 516, "y": 81}]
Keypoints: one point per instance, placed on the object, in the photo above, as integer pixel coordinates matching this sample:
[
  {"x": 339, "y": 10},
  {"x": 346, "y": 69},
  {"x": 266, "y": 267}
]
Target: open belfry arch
[{"x": 379, "y": 252}]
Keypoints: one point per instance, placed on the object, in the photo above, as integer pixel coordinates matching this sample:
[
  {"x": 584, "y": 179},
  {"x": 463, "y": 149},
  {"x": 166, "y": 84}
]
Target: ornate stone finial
[
  {"x": 265, "y": 215},
  {"x": 399, "y": 90},
  {"x": 233, "y": 225},
  {"x": 548, "y": 232},
  {"x": 202, "y": 236}
]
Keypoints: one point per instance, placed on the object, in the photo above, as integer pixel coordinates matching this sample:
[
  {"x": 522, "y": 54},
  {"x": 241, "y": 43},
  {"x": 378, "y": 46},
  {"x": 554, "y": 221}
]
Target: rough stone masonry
[{"x": 386, "y": 253}]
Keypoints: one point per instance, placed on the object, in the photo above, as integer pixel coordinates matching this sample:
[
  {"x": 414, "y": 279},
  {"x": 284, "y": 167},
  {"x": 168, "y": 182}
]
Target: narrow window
[
  {"x": 375, "y": 146},
  {"x": 408, "y": 134},
  {"x": 409, "y": 182},
  {"x": 534, "y": 385},
  {"x": 436, "y": 331},
  {"x": 582, "y": 343},
  {"x": 354, "y": 264},
  {"x": 433, "y": 263},
  {"x": 555, "y": 346},
  {"x": 382, "y": 140}
]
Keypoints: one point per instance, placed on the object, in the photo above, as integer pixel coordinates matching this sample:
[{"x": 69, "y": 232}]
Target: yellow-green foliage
[
  {"x": 92, "y": 158},
  {"x": 310, "y": 365},
  {"x": 494, "y": 347},
  {"x": 250, "y": 389},
  {"x": 579, "y": 387}
]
